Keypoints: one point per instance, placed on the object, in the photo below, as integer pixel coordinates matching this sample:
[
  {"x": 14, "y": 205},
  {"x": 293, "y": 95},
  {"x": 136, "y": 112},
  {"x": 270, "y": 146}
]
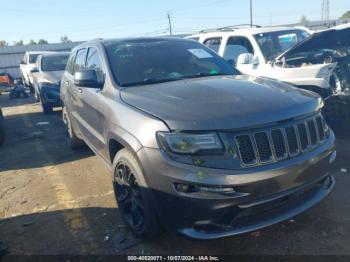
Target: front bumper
[
  {"x": 265, "y": 195},
  {"x": 50, "y": 96}
]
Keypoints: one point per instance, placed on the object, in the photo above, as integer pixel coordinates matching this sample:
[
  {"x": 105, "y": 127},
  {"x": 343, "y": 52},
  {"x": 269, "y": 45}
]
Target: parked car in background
[
  {"x": 47, "y": 76},
  {"x": 263, "y": 52},
  {"x": 324, "y": 47},
  {"x": 191, "y": 142},
  {"x": 27, "y": 64},
  {"x": 2, "y": 131},
  {"x": 6, "y": 81}
]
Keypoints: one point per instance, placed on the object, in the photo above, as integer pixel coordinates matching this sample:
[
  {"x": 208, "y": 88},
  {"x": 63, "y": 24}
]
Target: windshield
[
  {"x": 32, "y": 58},
  {"x": 54, "y": 63},
  {"x": 275, "y": 43},
  {"x": 149, "y": 61}
]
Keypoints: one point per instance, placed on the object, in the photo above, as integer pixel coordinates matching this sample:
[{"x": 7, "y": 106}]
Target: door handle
[{"x": 79, "y": 90}]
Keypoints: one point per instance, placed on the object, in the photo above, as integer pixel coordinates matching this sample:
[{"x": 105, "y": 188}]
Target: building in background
[{"x": 11, "y": 56}]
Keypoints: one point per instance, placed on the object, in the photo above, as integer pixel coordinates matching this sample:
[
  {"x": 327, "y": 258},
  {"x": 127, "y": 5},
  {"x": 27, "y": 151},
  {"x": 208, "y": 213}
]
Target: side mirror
[
  {"x": 245, "y": 59},
  {"x": 34, "y": 70},
  {"x": 87, "y": 78}
]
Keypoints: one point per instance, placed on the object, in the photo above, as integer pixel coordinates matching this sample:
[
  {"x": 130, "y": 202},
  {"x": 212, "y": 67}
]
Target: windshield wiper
[
  {"x": 150, "y": 81},
  {"x": 202, "y": 74}
]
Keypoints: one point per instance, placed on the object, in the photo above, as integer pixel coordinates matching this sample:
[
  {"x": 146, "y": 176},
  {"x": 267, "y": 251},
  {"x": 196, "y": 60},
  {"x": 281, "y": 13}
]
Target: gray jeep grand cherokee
[{"x": 192, "y": 144}]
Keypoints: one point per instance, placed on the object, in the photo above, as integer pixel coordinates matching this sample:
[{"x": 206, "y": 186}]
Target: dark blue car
[{"x": 47, "y": 77}]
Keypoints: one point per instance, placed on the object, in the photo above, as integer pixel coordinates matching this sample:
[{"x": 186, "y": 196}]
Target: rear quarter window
[{"x": 213, "y": 43}]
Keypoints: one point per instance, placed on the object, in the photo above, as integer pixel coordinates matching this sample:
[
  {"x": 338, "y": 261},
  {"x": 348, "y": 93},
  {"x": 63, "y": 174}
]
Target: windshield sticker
[{"x": 200, "y": 53}]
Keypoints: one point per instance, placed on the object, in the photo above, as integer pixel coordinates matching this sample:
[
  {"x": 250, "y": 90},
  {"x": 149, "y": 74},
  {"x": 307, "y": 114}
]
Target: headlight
[{"x": 182, "y": 143}]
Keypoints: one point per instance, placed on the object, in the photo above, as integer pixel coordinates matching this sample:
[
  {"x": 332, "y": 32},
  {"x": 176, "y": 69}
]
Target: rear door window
[
  {"x": 213, "y": 43},
  {"x": 80, "y": 59}
]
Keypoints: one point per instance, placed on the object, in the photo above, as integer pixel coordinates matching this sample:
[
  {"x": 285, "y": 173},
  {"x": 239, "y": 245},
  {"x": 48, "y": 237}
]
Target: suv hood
[
  {"x": 328, "y": 39},
  {"x": 221, "y": 102}
]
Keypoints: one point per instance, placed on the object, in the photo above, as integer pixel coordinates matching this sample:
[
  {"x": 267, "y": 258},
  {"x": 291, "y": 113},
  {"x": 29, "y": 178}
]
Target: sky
[{"x": 89, "y": 19}]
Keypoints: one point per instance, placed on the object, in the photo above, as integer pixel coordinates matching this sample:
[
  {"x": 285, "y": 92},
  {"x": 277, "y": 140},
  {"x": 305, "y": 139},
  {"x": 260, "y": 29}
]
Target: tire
[
  {"x": 31, "y": 89},
  {"x": 74, "y": 141},
  {"x": 134, "y": 201}
]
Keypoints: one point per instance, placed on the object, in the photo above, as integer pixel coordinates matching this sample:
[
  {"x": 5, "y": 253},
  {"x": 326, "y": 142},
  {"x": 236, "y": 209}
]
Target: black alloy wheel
[{"x": 129, "y": 197}]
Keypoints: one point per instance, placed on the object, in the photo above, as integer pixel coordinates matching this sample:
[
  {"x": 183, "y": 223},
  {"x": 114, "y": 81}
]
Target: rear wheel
[
  {"x": 74, "y": 141},
  {"x": 134, "y": 200}
]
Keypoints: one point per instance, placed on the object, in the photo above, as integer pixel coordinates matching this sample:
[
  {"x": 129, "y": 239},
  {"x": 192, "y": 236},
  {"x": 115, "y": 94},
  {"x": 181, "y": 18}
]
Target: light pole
[
  {"x": 170, "y": 27},
  {"x": 251, "y": 13}
]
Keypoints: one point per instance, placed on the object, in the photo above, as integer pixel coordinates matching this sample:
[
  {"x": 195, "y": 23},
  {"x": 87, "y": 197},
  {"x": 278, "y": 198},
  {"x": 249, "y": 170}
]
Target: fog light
[
  {"x": 182, "y": 188},
  {"x": 221, "y": 190}
]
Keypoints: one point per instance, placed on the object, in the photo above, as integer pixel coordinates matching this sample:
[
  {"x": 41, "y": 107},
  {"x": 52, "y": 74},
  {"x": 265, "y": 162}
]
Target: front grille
[
  {"x": 292, "y": 140},
  {"x": 312, "y": 131},
  {"x": 276, "y": 144},
  {"x": 263, "y": 147},
  {"x": 304, "y": 141},
  {"x": 246, "y": 151}
]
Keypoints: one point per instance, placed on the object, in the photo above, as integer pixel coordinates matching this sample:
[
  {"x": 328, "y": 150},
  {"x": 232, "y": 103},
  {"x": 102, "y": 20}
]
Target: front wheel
[
  {"x": 74, "y": 141},
  {"x": 134, "y": 200}
]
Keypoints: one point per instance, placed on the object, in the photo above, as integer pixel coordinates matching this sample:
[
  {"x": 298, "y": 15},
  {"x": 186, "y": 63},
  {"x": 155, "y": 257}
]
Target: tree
[
  {"x": 20, "y": 42},
  {"x": 3, "y": 43},
  {"x": 65, "y": 39},
  {"x": 346, "y": 15},
  {"x": 32, "y": 42},
  {"x": 303, "y": 20},
  {"x": 42, "y": 41}
]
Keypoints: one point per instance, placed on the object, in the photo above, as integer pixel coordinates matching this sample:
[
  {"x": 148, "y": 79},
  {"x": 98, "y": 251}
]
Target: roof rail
[{"x": 230, "y": 28}]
